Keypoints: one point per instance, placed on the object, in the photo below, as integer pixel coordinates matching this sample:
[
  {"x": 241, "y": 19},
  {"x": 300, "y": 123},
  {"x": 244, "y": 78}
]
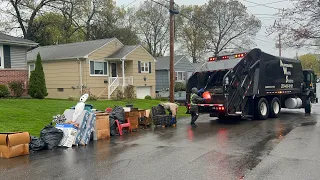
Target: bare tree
[
  {"x": 229, "y": 25},
  {"x": 24, "y": 12},
  {"x": 192, "y": 34},
  {"x": 91, "y": 15},
  {"x": 152, "y": 23},
  {"x": 299, "y": 26}
]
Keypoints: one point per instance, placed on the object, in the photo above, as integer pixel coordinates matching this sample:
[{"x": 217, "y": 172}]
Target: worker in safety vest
[{"x": 194, "y": 100}]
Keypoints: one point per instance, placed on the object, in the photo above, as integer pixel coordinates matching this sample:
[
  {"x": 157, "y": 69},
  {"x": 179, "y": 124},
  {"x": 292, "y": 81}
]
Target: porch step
[{"x": 104, "y": 95}]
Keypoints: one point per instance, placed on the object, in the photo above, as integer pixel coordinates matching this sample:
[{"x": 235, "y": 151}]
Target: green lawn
[{"x": 32, "y": 115}]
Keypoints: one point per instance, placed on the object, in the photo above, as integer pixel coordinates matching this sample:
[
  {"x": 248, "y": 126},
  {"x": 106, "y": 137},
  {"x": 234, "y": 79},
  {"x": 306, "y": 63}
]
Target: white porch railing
[
  {"x": 127, "y": 81},
  {"x": 115, "y": 82}
]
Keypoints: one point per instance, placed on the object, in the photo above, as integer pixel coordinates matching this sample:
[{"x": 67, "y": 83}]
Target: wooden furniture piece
[
  {"x": 102, "y": 126},
  {"x": 145, "y": 118},
  {"x": 134, "y": 119}
]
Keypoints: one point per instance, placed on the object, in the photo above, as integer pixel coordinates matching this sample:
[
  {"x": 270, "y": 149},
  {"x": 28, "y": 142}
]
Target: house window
[
  {"x": 98, "y": 68},
  {"x": 60, "y": 89},
  {"x": 31, "y": 68},
  {"x": 145, "y": 67},
  {"x": 180, "y": 76},
  {"x": 1, "y": 58}
]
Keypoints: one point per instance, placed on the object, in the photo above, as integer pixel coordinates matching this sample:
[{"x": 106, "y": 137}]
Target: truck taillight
[
  {"x": 212, "y": 59},
  {"x": 221, "y": 108},
  {"x": 239, "y": 55}
]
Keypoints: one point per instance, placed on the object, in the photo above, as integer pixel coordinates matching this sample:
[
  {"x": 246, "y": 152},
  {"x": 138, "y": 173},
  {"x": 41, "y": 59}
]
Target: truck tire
[
  {"x": 274, "y": 108},
  {"x": 262, "y": 111},
  {"x": 222, "y": 117},
  {"x": 307, "y": 108}
]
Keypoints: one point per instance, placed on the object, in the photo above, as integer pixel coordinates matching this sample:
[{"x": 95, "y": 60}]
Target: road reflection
[{"x": 190, "y": 134}]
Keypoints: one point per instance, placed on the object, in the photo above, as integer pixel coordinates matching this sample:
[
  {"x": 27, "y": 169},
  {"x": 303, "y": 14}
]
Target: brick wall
[{"x": 9, "y": 75}]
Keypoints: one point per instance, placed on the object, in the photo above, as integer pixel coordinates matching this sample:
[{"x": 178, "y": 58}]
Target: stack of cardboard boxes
[{"x": 14, "y": 144}]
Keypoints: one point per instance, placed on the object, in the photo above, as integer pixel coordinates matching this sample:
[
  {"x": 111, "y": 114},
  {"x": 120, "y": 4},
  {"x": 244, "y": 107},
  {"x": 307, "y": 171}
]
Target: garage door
[{"x": 142, "y": 92}]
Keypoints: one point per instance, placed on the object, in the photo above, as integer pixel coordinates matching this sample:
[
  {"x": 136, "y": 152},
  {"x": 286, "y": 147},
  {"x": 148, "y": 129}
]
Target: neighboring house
[
  {"x": 183, "y": 70},
  {"x": 101, "y": 66},
  {"x": 198, "y": 66},
  {"x": 13, "y": 59}
]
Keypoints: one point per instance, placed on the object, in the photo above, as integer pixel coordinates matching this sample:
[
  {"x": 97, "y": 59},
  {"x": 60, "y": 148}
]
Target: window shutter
[
  {"x": 185, "y": 76},
  {"x": 139, "y": 66},
  {"x": 91, "y": 67},
  {"x": 105, "y": 68},
  {"x": 149, "y": 67},
  {"x": 7, "y": 58}
]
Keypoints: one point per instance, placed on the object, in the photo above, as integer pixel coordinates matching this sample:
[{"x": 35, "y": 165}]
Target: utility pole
[
  {"x": 280, "y": 45},
  {"x": 172, "y": 76},
  {"x": 172, "y": 12}
]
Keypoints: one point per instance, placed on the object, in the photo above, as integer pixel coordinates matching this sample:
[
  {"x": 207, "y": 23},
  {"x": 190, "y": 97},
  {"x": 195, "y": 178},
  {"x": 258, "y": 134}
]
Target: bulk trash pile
[
  {"x": 73, "y": 127},
  {"x": 76, "y": 126}
]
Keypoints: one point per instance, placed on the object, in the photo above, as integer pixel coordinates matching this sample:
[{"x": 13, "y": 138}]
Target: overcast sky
[{"x": 264, "y": 42}]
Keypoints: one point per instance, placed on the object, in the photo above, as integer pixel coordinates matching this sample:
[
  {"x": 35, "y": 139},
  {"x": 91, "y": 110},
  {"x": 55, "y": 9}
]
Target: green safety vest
[{"x": 191, "y": 99}]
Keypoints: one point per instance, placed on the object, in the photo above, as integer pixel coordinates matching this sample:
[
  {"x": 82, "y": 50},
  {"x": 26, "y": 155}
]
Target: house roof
[
  {"x": 164, "y": 62},
  {"x": 123, "y": 52},
  {"x": 68, "y": 51},
  {"x": 197, "y": 66},
  {"x": 11, "y": 40}
]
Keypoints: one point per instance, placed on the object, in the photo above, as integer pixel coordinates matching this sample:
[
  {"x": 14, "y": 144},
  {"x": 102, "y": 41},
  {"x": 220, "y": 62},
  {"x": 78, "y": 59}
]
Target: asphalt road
[{"x": 210, "y": 151}]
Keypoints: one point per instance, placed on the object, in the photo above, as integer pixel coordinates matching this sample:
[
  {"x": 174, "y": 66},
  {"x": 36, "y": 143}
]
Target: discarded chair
[
  {"x": 108, "y": 110},
  {"x": 124, "y": 125},
  {"x": 160, "y": 117}
]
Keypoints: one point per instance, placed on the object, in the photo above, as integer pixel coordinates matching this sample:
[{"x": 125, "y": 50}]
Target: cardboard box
[
  {"x": 103, "y": 134},
  {"x": 14, "y": 144},
  {"x": 102, "y": 127},
  {"x": 69, "y": 134}
]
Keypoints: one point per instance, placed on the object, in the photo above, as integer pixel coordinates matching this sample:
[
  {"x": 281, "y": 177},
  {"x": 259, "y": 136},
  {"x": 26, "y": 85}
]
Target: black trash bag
[
  {"x": 51, "y": 136},
  {"x": 36, "y": 144},
  {"x": 116, "y": 114}
]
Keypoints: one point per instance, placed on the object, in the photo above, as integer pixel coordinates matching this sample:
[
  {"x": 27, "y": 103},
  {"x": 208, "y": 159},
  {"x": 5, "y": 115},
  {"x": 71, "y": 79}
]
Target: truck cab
[{"x": 310, "y": 80}]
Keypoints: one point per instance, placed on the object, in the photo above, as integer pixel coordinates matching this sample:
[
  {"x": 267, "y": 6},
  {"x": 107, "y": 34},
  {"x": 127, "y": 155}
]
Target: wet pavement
[{"x": 210, "y": 151}]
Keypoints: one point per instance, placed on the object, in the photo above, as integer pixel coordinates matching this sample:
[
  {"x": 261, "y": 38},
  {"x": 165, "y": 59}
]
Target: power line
[
  {"x": 270, "y": 3},
  {"x": 130, "y": 4},
  {"x": 262, "y": 5},
  {"x": 197, "y": 21}
]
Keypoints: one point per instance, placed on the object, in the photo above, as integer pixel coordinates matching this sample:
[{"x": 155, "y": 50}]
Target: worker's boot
[
  {"x": 193, "y": 124},
  {"x": 173, "y": 122}
]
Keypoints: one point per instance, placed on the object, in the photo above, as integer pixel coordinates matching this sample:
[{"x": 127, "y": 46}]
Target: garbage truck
[{"x": 252, "y": 84}]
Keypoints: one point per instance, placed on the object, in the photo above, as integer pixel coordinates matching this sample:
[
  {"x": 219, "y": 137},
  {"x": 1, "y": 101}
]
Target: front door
[{"x": 114, "y": 69}]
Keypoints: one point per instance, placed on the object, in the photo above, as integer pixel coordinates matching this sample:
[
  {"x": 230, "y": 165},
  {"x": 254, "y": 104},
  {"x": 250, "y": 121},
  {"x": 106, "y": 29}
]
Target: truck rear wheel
[
  {"x": 262, "y": 109},
  {"x": 274, "y": 108},
  {"x": 307, "y": 108}
]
